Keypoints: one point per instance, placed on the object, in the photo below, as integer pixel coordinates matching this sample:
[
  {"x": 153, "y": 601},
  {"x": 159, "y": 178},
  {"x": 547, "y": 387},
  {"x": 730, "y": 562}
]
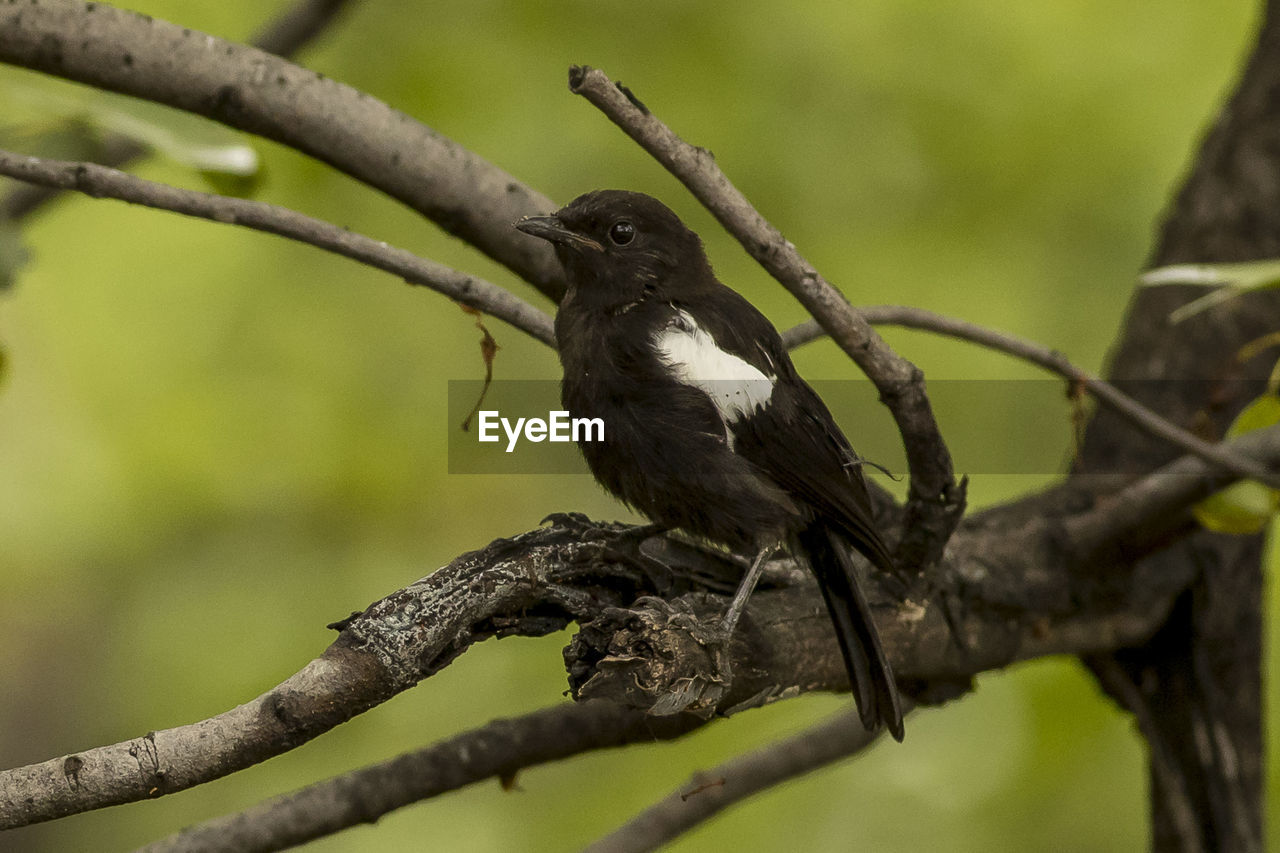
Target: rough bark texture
[{"x": 1195, "y": 687}]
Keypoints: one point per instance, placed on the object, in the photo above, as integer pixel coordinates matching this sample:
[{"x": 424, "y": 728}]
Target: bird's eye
[{"x": 622, "y": 232}]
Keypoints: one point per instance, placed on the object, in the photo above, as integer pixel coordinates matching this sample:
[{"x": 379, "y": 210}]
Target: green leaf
[
  {"x": 1244, "y": 507},
  {"x": 1241, "y": 509},
  {"x": 60, "y": 139},
  {"x": 1231, "y": 279},
  {"x": 187, "y": 139},
  {"x": 239, "y": 186},
  {"x": 1260, "y": 414},
  {"x": 203, "y": 145}
]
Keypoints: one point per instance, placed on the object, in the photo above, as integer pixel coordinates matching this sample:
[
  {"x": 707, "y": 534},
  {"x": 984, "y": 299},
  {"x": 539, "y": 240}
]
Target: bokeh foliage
[{"x": 213, "y": 442}]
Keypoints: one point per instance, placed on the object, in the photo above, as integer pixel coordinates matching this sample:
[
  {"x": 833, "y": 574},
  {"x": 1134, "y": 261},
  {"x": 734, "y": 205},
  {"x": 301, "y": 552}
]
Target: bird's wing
[
  {"x": 739, "y": 329},
  {"x": 797, "y": 443},
  {"x": 793, "y": 438}
]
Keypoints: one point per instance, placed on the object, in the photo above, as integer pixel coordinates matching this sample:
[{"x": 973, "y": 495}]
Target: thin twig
[
  {"x": 500, "y": 749},
  {"x": 710, "y": 792},
  {"x": 1055, "y": 362},
  {"x": 297, "y": 26},
  {"x": 935, "y": 499},
  {"x": 284, "y": 36},
  {"x": 103, "y": 182}
]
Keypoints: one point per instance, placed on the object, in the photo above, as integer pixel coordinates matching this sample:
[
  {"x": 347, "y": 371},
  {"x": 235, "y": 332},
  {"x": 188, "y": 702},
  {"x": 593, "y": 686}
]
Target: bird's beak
[{"x": 550, "y": 228}]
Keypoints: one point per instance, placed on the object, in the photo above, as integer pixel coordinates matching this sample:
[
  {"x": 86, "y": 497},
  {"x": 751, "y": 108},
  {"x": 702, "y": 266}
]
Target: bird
[{"x": 708, "y": 426}]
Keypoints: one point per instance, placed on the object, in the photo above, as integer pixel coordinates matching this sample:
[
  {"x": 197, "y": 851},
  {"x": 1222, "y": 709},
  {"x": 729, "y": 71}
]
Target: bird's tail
[{"x": 874, "y": 689}]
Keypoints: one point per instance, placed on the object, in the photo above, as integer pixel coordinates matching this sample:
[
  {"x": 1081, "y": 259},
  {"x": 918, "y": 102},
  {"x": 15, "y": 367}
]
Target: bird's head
[{"x": 621, "y": 244}]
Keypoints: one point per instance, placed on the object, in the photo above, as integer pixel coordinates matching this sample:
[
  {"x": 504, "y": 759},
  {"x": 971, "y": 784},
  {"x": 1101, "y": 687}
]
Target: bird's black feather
[
  {"x": 869, "y": 672},
  {"x": 747, "y": 455}
]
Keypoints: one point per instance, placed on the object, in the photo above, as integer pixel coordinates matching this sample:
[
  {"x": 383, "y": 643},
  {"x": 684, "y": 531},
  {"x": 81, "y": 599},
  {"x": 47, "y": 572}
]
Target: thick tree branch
[
  {"x": 1195, "y": 687},
  {"x": 1055, "y": 362},
  {"x": 1163, "y": 766},
  {"x": 1022, "y": 590},
  {"x": 263, "y": 94},
  {"x": 284, "y": 36},
  {"x": 103, "y": 182},
  {"x": 331, "y": 689},
  {"x": 530, "y": 585},
  {"x": 935, "y": 500}
]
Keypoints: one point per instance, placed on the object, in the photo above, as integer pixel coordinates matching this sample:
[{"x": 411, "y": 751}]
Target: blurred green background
[{"x": 213, "y": 442}]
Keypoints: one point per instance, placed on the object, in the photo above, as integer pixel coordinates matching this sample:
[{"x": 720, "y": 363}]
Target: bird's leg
[
  {"x": 749, "y": 581},
  {"x": 626, "y": 546}
]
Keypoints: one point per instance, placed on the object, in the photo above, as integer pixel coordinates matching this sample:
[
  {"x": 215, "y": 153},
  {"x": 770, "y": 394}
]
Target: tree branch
[
  {"x": 935, "y": 500},
  {"x": 710, "y": 792},
  {"x": 1023, "y": 591},
  {"x": 1148, "y": 509},
  {"x": 1072, "y": 570},
  {"x": 1164, "y": 769},
  {"x": 287, "y": 34},
  {"x": 102, "y": 182},
  {"x": 531, "y": 585},
  {"x": 499, "y": 749},
  {"x": 263, "y": 94},
  {"x": 330, "y": 690},
  {"x": 1012, "y": 609},
  {"x": 298, "y": 26},
  {"x": 1195, "y": 688},
  {"x": 1055, "y": 362}
]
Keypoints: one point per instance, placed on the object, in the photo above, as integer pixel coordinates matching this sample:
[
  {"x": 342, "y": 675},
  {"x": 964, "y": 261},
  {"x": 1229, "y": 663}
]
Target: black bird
[{"x": 707, "y": 425}]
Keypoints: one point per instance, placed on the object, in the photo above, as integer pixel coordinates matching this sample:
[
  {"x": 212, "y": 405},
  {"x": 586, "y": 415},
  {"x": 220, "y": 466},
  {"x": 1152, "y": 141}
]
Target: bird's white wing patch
[{"x": 735, "y": 386}]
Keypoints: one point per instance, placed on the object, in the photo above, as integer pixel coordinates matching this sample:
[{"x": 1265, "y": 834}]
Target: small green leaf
[
  {"x": 238, "y": 186},
  {"x": 1241, "y": 509},
  {"x": 1231, "y": 279},
  {"x": 58, "y": 139},
  {"x": 1260, "y": 414},
  {"x": 187, "y": 139},
  {"x": 1244, "y": 507},
  {"x": 202, "y": 144}
]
